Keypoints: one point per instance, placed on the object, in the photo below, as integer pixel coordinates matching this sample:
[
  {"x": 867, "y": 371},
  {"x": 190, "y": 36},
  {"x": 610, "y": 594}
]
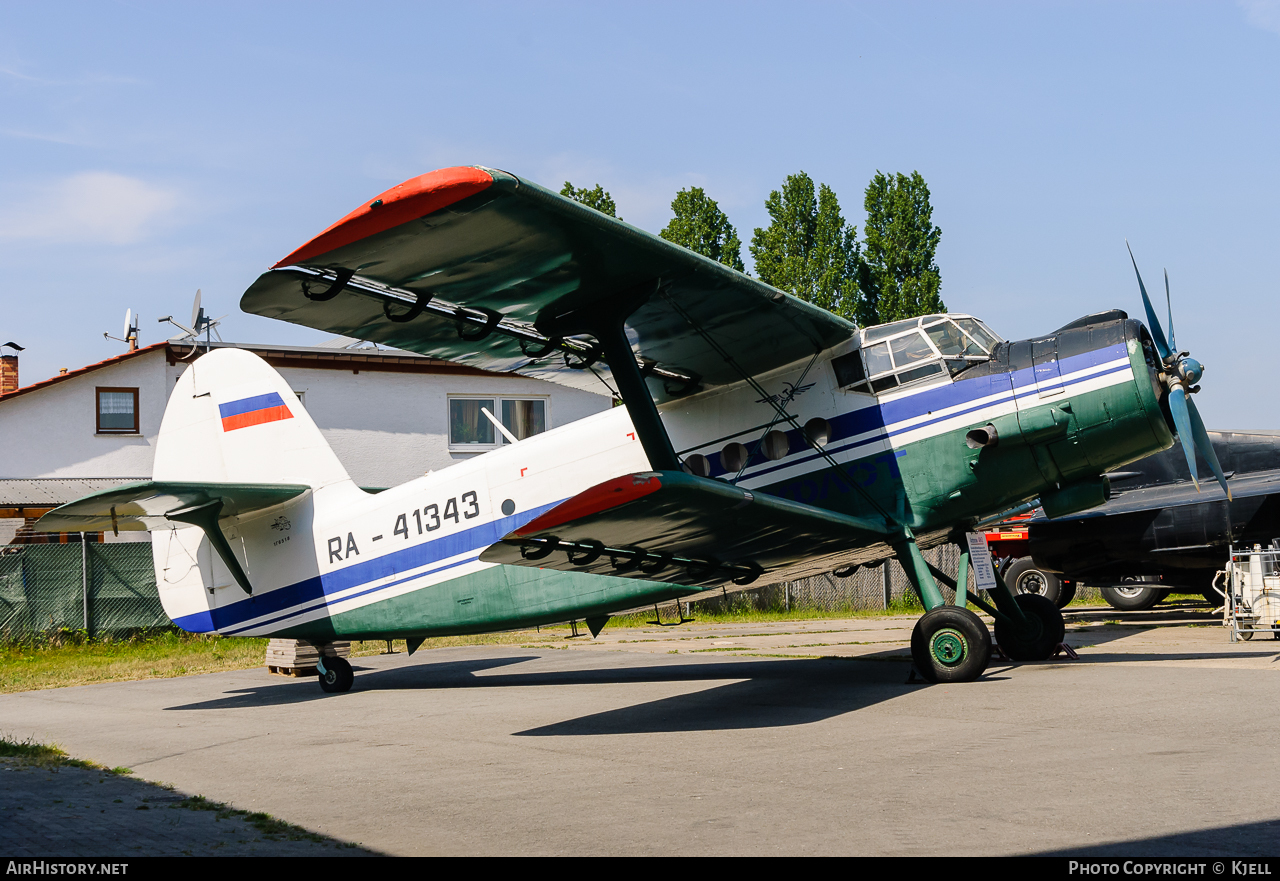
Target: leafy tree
[
  {"x": 702, "y": 227},
  {"x": 808, "y": 249},
  {"x": 597, "y": 198},
  {"x": 898, "y": 275}
]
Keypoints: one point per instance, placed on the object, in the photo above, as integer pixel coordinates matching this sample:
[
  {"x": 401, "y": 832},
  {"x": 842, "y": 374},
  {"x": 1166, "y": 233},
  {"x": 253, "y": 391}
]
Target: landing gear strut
[{"x": 951, "y": 644}]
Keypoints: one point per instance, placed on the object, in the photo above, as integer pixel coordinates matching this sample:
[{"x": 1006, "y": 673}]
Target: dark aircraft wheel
[
  {"x": 1024, "y": 576},
  {"x": 1130, "y": 598},
  {"x": 950, "y": 644},
  {"x": 1046, "y": 630},
  {"x": 337, "y": 676}
]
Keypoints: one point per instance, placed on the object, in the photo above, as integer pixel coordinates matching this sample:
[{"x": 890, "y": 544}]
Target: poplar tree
[
  {"x": 702, "y": 227},
  {"x": 898, "y": 276},
  {"x": 808, "y": 249},
  {"x": 597, "y": 198}
]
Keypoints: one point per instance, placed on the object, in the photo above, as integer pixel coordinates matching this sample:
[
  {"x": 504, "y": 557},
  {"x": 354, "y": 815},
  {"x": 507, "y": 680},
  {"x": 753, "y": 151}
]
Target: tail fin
[{"x": 233, "y": 419}]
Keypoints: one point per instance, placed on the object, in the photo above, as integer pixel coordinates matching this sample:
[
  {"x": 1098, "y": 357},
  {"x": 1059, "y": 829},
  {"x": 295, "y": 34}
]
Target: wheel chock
[{"x": 1063, "y": 649}]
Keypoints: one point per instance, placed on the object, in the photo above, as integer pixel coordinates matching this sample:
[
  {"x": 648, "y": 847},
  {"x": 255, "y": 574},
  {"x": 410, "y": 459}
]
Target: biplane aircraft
[{"x": 762, "y": 438}]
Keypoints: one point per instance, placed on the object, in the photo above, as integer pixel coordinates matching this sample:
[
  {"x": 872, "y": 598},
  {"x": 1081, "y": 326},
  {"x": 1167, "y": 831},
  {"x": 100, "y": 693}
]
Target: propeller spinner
[{"x": 1180, "y": 375}]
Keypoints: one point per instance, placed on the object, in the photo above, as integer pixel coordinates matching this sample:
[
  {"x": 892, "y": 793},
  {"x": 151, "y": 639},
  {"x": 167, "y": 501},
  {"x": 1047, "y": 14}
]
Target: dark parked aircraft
[{"x": 1158, "y": 532}]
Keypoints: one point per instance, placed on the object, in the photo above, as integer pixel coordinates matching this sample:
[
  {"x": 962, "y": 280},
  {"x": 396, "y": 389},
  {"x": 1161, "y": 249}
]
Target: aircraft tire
[
  {"x": 1024, "y": 576},
  {"x": 1129, "y": 598},
  {"x": 1048, "y": 629},
  {"x": 950, "y": 644},
  {"x": 337, "y": 677}
]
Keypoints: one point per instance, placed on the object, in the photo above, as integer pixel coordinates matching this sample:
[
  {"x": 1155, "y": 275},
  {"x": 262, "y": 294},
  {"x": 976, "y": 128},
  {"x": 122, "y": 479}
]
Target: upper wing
[
  {"x": 475, "y": 265},
  {"x": 671, "y": 526}
]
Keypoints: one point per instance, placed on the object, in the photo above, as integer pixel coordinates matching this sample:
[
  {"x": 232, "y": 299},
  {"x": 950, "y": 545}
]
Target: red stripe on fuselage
[
  {"x": 416, "y": 197},
  {"x": 602, "y": 497},
  {"x": 257, "y": 417}
]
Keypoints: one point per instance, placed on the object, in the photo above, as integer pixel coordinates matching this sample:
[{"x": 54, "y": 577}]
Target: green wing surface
[
  {"x": 138, "y": 506},
  {"x": 672, "y": 526},
  {"x": 475, "y": 265}
]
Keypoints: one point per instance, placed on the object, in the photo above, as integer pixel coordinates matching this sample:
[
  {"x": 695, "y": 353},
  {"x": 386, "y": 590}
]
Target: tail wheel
[
  {"x": 1043, "y": 631},
  {"x": 1024, "y": 576},
  {"x": 337, "y": 676},
  {"x": 950, "y": 644}
]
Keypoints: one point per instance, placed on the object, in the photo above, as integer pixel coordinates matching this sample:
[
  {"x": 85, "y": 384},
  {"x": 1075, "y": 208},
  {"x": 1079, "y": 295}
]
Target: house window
[
  {"x": 471, "y": 430},
  {"x": 117, "y": 411}
]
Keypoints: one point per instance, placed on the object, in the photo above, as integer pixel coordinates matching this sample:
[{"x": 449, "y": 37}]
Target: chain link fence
[{"x": 98, "y": 589}]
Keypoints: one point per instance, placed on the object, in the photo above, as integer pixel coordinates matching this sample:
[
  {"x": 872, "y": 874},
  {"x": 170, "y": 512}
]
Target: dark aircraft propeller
[{"x": 1181, "y": 373}]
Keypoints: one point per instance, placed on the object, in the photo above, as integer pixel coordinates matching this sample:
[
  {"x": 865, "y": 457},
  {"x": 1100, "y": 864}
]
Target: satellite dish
[
  {"x": 128, "y": 323},
  {"x": 197, "y": 314}
]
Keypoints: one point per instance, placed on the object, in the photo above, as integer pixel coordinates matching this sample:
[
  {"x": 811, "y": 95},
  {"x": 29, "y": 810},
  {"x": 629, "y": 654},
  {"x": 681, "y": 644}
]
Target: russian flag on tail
[{"x": 253, "y": 411}]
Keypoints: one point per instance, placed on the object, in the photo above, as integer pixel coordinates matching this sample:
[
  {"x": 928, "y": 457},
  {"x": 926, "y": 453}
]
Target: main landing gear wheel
[
  {"x": 1045, "y": 630},
  {"x": 950, "y": 644},
  {"x": 337, "y": 676}
]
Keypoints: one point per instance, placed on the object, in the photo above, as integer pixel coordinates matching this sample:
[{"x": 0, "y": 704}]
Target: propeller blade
[
  {"x": 1153, "y": 324},
  {"x": 1206, "y": 447},
  {"x": 1179, "y": 407},
  {"x": 1173, "y": 343}
]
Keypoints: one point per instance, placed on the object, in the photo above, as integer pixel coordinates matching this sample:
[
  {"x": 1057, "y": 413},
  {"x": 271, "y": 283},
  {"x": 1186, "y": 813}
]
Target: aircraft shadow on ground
[
  {"x": 741, "y": 694},
  {"x": 1223, "y": 843}
]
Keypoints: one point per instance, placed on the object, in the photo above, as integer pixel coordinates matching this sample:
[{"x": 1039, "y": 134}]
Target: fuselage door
[{"x": 1045, "y": 367}]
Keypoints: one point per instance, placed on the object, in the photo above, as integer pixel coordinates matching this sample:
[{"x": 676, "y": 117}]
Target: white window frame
[{"x": 499, "y": 440}]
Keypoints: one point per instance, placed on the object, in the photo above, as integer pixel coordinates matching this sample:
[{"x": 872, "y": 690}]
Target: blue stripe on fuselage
[
  {"x": 877, "y": 417},
  {"x": 314, "y": 592}
]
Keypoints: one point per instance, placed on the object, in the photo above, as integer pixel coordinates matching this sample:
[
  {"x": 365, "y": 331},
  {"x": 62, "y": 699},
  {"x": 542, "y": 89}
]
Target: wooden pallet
[{"x": 297, "y": 657}]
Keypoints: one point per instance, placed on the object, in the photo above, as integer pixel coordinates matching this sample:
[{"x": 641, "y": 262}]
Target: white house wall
[{"x": 52, "y": 432}]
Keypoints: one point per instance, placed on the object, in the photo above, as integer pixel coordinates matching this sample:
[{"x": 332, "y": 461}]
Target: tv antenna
[
  {"x": 130, "y": 335},
  {"x": 200, "y": 324}
]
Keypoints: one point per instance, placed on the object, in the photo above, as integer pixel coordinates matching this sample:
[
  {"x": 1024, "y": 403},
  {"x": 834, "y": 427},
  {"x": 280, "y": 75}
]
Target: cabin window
[
  {"x": 117, "y": 411},
  {"x": 470, "y": 430}
]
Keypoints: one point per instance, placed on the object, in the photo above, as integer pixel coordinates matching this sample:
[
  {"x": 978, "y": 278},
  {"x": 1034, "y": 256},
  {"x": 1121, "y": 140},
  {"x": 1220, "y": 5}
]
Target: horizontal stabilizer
[
  {"x": 138, "y": 506},
  {"x": 671, "y": 526}
]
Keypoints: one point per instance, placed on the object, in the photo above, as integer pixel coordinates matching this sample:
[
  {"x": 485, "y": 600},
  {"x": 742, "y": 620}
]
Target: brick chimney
[{"x": 8, "y": 374}]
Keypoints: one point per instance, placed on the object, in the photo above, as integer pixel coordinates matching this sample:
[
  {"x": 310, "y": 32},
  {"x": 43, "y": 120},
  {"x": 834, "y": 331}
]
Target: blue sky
[{"x": 147, "y": 150}]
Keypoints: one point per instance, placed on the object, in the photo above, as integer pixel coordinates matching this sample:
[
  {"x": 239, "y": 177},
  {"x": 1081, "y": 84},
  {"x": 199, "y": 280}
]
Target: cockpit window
[
  {"x": 909, "y": 349},
  {"x": 980, "y": 333},
  {"x": 888, "y": 330},
  {"x": 914, "y": 349}
]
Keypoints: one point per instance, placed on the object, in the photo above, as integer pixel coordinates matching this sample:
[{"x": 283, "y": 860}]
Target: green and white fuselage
[{"x": 339, "y": 562}]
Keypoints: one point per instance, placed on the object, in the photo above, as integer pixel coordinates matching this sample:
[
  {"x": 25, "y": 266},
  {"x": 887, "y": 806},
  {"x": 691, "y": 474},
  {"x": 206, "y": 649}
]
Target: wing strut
[
  {"x": 893, "y": 522},
  {"x": 605, "y": 321}
]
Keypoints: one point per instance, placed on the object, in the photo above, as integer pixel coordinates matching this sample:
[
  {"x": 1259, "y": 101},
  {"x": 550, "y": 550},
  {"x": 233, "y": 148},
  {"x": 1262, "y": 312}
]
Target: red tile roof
[{"x": 81, "y": 371}]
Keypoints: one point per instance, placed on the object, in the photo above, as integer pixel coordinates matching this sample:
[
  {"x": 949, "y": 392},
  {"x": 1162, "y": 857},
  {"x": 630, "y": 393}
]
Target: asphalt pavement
[{"x": 788, "y": 738}]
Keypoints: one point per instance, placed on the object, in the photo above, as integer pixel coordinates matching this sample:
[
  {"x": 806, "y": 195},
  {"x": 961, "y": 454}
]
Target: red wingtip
[
  {"x": 600, "y": 497},
  {"x": 416, "y": 197}
]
